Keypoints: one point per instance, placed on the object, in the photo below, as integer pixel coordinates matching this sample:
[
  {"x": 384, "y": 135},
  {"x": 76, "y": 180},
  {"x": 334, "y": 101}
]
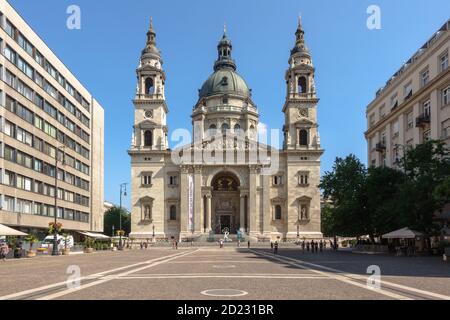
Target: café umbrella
[{"x": 7, "y": 231}]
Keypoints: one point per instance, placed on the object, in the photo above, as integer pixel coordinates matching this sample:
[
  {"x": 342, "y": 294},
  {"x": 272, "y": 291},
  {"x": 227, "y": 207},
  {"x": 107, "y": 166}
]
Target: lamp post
[
  {"x": 55, "y": 250},
  {"x": 123, "y": 191}
]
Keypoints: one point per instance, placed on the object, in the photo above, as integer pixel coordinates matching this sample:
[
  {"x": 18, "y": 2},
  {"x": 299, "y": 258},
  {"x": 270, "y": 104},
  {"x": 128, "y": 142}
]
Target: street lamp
[
  {"x": 55, "y": 250},
  {"x": 123, "y": 191}
]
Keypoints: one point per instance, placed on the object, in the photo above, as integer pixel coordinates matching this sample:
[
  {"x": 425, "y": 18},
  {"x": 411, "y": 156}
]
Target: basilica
[{"x": 225, "y": 180}]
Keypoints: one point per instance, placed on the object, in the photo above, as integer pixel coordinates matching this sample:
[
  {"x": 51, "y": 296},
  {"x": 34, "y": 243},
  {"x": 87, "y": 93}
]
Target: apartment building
[
  {"x": 414, "y": 105},
  {"x": 51, "y": 136}
]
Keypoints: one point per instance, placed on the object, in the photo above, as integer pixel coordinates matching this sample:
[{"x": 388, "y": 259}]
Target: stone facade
[{"x": 225, "y": 179}]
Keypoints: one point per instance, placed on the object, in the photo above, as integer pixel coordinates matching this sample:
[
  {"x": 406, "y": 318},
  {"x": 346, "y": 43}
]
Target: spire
[
  {"x": 151, "y": 40},
  {"x": 224, "y": 49},
  {"x": 300, "y": 45}
]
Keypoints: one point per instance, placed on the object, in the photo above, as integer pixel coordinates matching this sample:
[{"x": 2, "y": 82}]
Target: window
[
  {"x": 301, "y": 85},
  {"x": 24, "y": 113},
  {"x": 24, "y": 136},
  {"x": 173, "y": 181},
  {"x": 372, "y": 120},
  {"x": 49, "y": 129},
  {"x": 303, "y": 179},
  {"x": 426, "y": 108},
  {"x": 445, "y": 127},
  {"x": 443, "y": 62},
  {"x": 446, "y": 96},
  {"x": 425, "y": 77},
  {"x": 149, "y": 86},
  {"x": 394, "y": 101},
  {"x": 303, "y": 137},
  {"x": 25, "y": 90},
  {"x": 409, "y": 120},
  {"x": 25, "y": 67},
  {"x": 9, "y": 129},
  {"x": 9, "y": 204},
  {"x": 38, "y": 122},
  {"x": 278, "y": 212},
  {"x": 395, "y": 129},
  {"x": 25, "y": 44},
  {"x": 10, "y": 54},
  {"x": 50, "y": 90},
  {"x": 382, "y": 112},
  {"x": 147, "y": 179},
  {"x": 148, "y": 138},
  {"x": 9, "y": 154},
  {"x": 173, "y": 213},
  {"x": 50, "y": 109},
  {"x": 37, "y": 165},
  {"x": 237, "y": 128},
  {"x": 212, "y": 129},
  {"x": 10, "y": 29},
  {"x": 277, "y": 180},
  {"x": 225, "y": 128},
  {"x": 10, "y": 178},
  {"x": 407, "y": 91}
]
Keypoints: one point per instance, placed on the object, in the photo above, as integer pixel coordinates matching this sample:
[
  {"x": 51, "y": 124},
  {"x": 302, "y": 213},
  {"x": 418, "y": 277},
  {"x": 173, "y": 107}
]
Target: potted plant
[
  {"x": 31, "y": 239},
  {"x": 66, "y": 250},
  {"x": 89, "y": 245},
  {"x": 114, "y": 244}
]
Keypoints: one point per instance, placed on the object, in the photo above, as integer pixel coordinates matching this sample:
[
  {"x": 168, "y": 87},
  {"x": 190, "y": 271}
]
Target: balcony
[
  {"x": 380, "y": 147},
  {"x": 423, "y": 119}
]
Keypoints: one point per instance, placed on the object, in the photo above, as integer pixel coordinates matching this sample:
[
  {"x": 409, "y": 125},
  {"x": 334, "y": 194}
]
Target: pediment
[
  {"x": 147, "y": 124},
  {"x": 146, "y": 199}
]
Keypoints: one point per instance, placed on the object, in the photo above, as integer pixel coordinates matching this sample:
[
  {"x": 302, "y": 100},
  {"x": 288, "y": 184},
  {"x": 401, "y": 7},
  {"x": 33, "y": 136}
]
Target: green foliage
[
  {"x": 31, "y": 239},
  {"x": 378, "y": 200},
  {"x": 112, "y": 217},
  {"x": 89, "y": 243}
]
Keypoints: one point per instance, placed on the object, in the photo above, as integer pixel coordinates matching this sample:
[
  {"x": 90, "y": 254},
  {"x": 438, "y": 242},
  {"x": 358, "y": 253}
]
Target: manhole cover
[{"x": 224, "y": 293}]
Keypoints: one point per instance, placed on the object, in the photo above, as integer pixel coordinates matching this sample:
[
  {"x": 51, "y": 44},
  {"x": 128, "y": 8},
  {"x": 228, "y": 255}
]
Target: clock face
[
  {"x": 148, "y": 114},
  {"x": 303, "y": 112}
]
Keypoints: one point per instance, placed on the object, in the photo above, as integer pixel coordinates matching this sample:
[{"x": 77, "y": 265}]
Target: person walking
[
  {"x": 271, "y": 245},
  {"x": 4, "y": 250},
  {"x": 303, "y": 246},
  {"x": 275, "y": 248},
  {"x": 221, "y": 244},
  {"x": 313, "y": 246},
  {"x": 176, "y": 245},
  {"x": 317, "y": 246},
  {"x": 248, "y": 244},
  {"x": 307, "y": 246},
  {"x": 321, "y": 246}
]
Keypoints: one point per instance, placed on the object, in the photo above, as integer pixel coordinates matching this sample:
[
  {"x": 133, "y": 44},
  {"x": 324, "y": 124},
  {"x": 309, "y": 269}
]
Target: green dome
[{"x": 225, "y": 81}]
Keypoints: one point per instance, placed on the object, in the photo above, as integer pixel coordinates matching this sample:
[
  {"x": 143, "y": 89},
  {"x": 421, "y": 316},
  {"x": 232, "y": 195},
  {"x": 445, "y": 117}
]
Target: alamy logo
[
  {"x": 374, "y": 280},
  {"x": 73, "y": 279},
  {"x": 374, "y": 19},
  {"x": 74, "y": 20}
]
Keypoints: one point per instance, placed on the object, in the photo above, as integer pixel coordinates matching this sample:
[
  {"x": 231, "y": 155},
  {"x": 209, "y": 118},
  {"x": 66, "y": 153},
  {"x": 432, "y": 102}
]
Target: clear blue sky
[{"x": 352, "y": 62}]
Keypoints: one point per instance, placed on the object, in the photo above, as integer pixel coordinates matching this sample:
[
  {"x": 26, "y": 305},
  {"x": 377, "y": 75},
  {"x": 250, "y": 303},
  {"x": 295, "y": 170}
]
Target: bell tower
[
  {"x": 150, "y": 129},
  {"x": 300, "y": 108}
]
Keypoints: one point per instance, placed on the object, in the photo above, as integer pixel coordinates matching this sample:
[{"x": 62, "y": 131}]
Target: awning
[
  {"x": 404, "y": 233},
  {"x": 7, "y": 231},
  {"x": 94, "y": 235}
]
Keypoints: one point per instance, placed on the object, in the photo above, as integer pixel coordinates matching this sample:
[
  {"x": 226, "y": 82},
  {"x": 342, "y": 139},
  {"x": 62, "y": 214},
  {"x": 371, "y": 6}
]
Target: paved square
[{"x": 228, "y": 273}]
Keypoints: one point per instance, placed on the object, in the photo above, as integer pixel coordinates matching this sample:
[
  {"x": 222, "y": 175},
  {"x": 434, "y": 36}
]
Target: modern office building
[
  {"x": 414, "y": 105},
  {"x": 51, "y": 136},
  {"x": 227, "y": 179}
]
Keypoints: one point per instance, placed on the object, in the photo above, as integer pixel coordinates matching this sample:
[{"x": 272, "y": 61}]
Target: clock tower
[{"x": 300, "y": 109}]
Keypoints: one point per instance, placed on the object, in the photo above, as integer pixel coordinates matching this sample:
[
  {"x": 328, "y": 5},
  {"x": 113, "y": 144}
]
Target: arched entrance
[{"x": 225, "y": 203}]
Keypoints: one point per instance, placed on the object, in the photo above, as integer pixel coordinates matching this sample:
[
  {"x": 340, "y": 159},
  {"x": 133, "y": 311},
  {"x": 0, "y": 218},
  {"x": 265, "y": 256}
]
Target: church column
[
  {"x": 184, "y": 208},
  {"x": 242, "y": 213},
  {"x": 266, "y": 204},
  {"x": 208, "y": 212},
  {"x": 252, "y": 200},
  {"x": 198, "y": 208}
]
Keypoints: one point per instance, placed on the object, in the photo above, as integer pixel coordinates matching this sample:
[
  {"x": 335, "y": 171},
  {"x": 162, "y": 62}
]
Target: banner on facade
[{"x": 190, "y": 202}]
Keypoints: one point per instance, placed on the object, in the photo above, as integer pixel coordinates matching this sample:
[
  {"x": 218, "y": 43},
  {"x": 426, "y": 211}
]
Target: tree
[
  {"x": 112, "y": 218},
  {"x": 427, "y": 167}
]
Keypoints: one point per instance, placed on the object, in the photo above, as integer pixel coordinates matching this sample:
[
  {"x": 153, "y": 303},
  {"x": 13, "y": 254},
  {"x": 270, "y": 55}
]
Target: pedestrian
[
  {"x": 313, "y": 246},
  {"x": 248, "y": 244},
  {"x": 142, "y": 245},
  {"x": 275, "y": 248},
  {"x": 146, "y": 245},
  {"x": 176, "y": 245},
  {"x": 4, "y": 250},
  {"x": 307, "y": 246},
  {"x": 321, "y": 246},
  {"x": 271, "y": 245},
  {"x": 239, "y": 243},
  {"x": 221, "y": 244},
  {"x": 303, "y": 246},
  {"x": 317, "y": 246}
]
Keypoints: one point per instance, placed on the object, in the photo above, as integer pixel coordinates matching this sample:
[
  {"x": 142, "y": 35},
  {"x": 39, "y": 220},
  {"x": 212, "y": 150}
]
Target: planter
[
  {"x": 31, "y": 253},
  {"x": 88, "y": 250},
  {"x": 66, "y": 252}
]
